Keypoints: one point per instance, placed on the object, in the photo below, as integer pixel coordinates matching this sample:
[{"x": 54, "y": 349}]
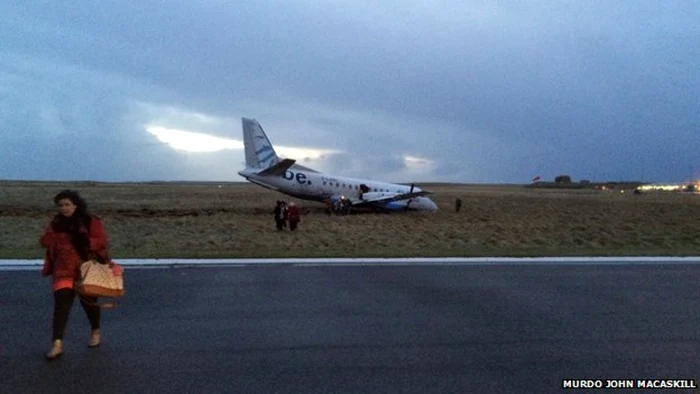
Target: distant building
[{"x": 562, "y": 179}]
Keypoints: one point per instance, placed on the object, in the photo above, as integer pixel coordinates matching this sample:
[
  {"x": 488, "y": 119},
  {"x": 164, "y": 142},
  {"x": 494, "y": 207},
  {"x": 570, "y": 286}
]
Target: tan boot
[
  {"x": 56, "y": 350},
  {"x": 94, "y": 338}
]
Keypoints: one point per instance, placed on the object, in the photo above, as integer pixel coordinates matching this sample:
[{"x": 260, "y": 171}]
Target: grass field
[{"x": 235, "y": 220}]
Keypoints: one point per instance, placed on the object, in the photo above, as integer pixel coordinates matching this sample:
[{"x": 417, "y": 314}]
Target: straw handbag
[{"x": 100, "y": 280}]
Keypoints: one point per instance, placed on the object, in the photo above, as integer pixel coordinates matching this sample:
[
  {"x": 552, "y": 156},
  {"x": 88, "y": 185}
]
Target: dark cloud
[{"x": 488, "y": 91}]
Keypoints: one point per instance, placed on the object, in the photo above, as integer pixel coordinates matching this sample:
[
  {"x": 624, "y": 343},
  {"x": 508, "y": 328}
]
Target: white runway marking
[{"x": 29, "y": 265}]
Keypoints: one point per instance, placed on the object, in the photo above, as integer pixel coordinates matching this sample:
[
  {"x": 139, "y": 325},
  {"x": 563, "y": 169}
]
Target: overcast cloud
[{"x": 478, "y": 91}]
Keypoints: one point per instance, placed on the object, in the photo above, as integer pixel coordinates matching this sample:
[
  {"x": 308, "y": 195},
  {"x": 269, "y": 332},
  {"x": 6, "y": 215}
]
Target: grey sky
[{"x": 479, "y": 91}]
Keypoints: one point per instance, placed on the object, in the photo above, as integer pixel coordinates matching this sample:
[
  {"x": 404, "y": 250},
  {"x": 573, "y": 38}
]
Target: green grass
[{"x": 204, "y": 221}]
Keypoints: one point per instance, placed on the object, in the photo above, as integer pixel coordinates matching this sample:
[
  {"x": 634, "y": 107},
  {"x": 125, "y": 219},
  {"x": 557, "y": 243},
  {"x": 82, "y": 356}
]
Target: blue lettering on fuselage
[{"x": 299, "y": 176}]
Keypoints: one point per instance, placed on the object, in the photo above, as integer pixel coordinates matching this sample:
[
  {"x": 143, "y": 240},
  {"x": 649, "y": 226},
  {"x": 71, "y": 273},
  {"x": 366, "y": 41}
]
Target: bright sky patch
[
  {"x": 190, "y": 141},
  {"x": 418, "y": 163},
  {"x": 302, "y": 153}
]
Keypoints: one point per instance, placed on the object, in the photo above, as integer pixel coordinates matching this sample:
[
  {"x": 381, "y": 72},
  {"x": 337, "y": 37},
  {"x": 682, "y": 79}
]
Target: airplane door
[{"x": 363, "y": 189}]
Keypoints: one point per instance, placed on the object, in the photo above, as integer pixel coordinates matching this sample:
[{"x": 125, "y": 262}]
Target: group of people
[
  {"x": 339, "y": 206},
  {"x": 287, "y": 212}
]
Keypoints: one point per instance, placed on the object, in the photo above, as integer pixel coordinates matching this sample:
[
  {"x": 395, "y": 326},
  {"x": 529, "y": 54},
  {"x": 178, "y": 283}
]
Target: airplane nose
[
  {"x": 430, "y": 205},
  {"x": 433, "y": 206}
]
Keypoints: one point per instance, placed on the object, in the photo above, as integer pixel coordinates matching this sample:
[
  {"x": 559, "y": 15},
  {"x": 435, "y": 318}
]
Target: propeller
[{"x": 410, "y": 199}]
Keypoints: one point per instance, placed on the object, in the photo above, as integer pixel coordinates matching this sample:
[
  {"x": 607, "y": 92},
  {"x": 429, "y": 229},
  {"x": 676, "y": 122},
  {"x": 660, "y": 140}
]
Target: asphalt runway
[{"x": 362, "y": 329}]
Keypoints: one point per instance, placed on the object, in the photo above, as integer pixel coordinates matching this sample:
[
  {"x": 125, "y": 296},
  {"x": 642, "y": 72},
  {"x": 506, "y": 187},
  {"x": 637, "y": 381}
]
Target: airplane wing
[
  {"x": 279, "y": 168},
  {"x": 396, "y": 197}
]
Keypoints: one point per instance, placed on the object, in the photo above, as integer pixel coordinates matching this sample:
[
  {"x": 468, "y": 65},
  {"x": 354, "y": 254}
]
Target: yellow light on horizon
[{"x": 660, "y": 187}]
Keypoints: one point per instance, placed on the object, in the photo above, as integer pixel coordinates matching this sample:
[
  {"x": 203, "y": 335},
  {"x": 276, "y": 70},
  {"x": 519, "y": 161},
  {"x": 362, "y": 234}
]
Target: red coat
[
  {"x": 294, "y": 213},
  {"x": 61, "y": 259}
]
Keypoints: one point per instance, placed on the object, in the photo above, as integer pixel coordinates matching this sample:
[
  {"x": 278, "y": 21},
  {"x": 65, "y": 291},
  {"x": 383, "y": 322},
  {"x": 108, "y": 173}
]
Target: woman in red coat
[
  {"x": 72, "y": 237},
  {"x": 294, "y": 215}
]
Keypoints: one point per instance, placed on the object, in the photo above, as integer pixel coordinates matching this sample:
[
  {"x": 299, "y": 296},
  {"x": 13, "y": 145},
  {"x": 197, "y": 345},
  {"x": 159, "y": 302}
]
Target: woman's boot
[
  {"x": 56, "y": 350},
  {"x": 94, "y": 338}
]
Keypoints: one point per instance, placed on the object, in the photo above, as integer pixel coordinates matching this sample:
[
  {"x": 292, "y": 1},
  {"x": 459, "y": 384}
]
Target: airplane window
[
  {"x": 324, "y": 182},
  {"x": 343, "y": 185},
  {"x": 337, "y": 184}
]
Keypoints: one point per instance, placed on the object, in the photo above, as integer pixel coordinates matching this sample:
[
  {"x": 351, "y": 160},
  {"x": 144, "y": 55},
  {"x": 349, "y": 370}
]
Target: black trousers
[{"x": 63, "y": 301}]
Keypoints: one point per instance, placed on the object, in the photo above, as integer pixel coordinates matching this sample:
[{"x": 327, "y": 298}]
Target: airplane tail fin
[{"x": 259, "y": 152}]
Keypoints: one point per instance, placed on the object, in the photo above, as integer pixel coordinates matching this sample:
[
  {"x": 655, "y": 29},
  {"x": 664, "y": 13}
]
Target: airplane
[{"x": 265, "y": 168}]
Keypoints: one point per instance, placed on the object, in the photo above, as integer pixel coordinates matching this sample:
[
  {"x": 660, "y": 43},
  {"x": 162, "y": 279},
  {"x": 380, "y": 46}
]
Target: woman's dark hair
[
  {"x": 74, "y": 197},
  {"x": 77, "y": 225}
]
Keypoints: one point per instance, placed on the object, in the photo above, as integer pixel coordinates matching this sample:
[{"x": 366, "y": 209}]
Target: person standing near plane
[
  {"x": 280, "y": 213},
  {"x": 294, "y": 216},
  {"x": 345, "y": 205},
  {"x": 71, "y": 238},
  {"x": 458, "y": 204}
]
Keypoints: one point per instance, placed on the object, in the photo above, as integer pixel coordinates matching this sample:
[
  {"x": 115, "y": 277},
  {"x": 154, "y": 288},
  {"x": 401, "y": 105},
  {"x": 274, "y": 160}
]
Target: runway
[{"x": 382, "y": 328}]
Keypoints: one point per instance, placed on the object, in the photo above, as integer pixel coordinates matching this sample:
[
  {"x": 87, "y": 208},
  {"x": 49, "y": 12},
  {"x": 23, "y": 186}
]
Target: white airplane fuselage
[
  {"x": 265, "y": 168},
  {"x": 315, "y": 186}
]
